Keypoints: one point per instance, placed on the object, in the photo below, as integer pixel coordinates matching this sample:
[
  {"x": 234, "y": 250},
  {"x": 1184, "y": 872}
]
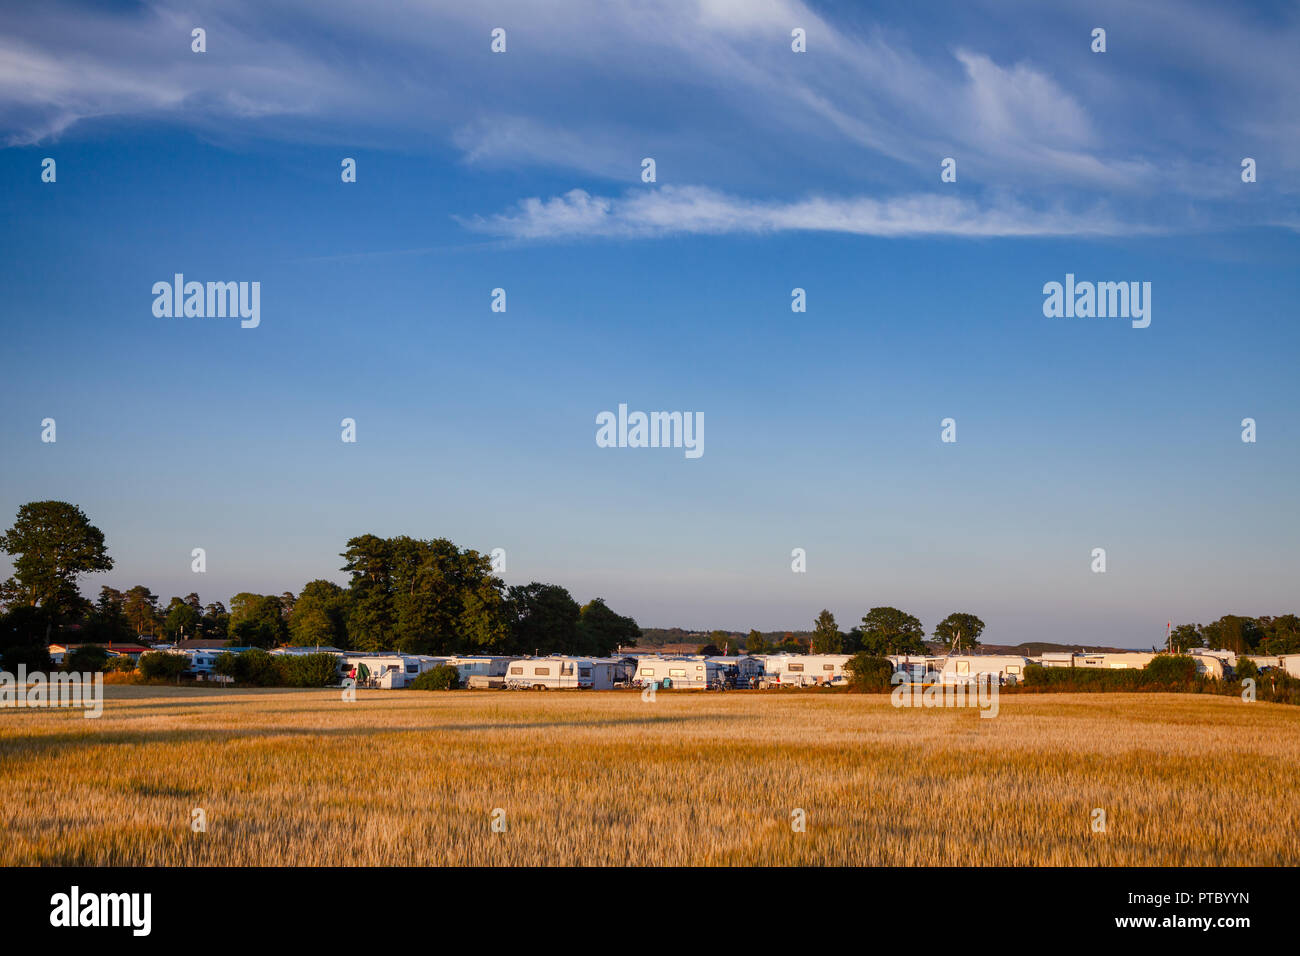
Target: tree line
[
  {"x": 882, "y": 631},
  {"x": 1241, "y": 635},
  {"x": 404, "y": 594},
  {"x": 427, "y": 596}
]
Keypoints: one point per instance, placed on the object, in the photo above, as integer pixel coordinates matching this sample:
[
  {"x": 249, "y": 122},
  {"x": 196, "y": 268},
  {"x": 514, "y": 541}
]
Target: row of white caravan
[
  {"x": 600, "y": 673},
  {"x": 1210, "y": 663},
  {"x": 485, "y": 671},
  {"x": 680, "y": 673},
  {"x": 394, "y": 670}
]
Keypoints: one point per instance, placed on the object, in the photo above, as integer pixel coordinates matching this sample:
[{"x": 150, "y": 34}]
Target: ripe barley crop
[{"x": 406, "y": 777}]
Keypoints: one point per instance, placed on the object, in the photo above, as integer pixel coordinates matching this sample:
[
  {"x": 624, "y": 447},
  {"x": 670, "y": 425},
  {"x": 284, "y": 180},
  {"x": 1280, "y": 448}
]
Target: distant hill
[
  {"x": 680, "y": 640},
  {"x": 1034, "y": 648},
  {"x": 652, "y": 637}
]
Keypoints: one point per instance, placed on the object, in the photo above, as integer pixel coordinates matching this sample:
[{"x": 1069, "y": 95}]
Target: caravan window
[
  {"x": 516, "y": 670},
  {"x": 584, "y": 671},
  {"x": 677, "y": 672},
  {"x": 1013, "y": 668},
  {"x": 412, "y": 668},
  {"x": 794, "y": 667},
  {"x": 566, "y": 667},
  {"x": 541, "y": 672},
  {"x": 963, "y": 667},
  {"x": 647, "y": 672},
  {"x": 828, "y": 667}
]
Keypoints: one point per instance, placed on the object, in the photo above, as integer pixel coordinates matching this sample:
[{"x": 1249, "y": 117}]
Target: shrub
[
  {"x": 160, "y": 665},
  {"x": 867, "y": 672},
  {"x": 1245, "y": 668},
  {"x": 35, "y": 656},
  {"x": 307, "y": 670},
  {"x": 1172, "y": 670},
  {"x": 122, "y": 664},
  {"x": 256, "y": 668},
  {"x": 442, "y": 677},
  {"x": 88, "y": 657}
]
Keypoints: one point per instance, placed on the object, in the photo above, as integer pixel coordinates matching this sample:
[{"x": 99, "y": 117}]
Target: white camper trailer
[
  {"x": 1213, "y": 664},
  {"x": 804, "y": 670},
  {"x": 624, "y": 671},
  {"x": 387, "y": 671},
  {"x": 546, "y": 673},
  {"x": 969, "y": 668},
  {"x": 479, "y": 666},
  {"x": 1128, "y": 661},
  {"x": 692, "y": 673},
  {"x": 1056, "y": 659},
  {"x": 740, "y": 671},
  {"x": 916, "y": 668}
]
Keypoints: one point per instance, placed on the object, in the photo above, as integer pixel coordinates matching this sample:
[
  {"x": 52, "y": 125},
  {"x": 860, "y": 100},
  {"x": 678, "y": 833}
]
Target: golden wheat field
[{"x": 408, "y": 777}]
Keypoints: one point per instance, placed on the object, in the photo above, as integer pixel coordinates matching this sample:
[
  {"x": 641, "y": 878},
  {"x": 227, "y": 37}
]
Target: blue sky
[{"x": 775, "y": 170}]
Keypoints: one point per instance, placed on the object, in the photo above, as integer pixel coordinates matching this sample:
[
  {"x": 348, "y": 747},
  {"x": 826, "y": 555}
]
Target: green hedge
[
  {"x": 1165, "y": 673},
  {"x": 307, "y": 670},
  {"x": 159, "y": 665},
  {"x": 88, "y": 657},
  {"x": 869, "y": 673},
  {"x": 443, "y": 677},
  {"x": 256, "y": 668}
]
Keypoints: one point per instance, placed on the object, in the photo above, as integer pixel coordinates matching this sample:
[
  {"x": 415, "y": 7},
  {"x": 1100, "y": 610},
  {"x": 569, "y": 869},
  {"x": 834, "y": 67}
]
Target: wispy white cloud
[
  {"x": 710, "y": 88},
  {"x": 695, "y": 210}
]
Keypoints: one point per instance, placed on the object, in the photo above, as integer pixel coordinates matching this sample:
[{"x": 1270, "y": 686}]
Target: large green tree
[
  {"x": 1185, "y": 636},
  {"x": 141, "y": 608},
  {"x": 887, "y": 630},
  {"x": 257, "y": 620},
  {"x": 1232, "y": 633},
  {"x": 214, "y": 623},
  {"x": 107, "y": 621},
  {"x": 601, "y": 631},
  {"x": 1279, "y": 635},
  {"x": 52, "y": 543},
  {"x": 543, "y": 619},
  {"x": 181, "y": 620},
  {"x": 826, "y": 637},
  {"x": 320, "y": 616},
  {"x": 960, "y": 631},
  {"x": 423, "y": 596}
]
